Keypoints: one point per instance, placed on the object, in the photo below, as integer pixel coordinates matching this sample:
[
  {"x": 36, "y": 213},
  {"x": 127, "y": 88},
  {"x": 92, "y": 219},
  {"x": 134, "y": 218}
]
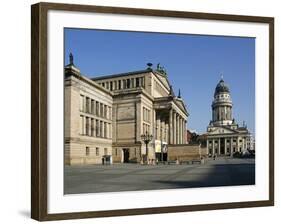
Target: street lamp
[{"x": 146, "y": 138}]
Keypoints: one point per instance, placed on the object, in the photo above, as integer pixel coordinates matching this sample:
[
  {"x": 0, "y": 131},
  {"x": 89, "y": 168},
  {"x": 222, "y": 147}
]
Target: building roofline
[
  {"x": 69, "y": 72},
  {"x": 121, "y": 74}
]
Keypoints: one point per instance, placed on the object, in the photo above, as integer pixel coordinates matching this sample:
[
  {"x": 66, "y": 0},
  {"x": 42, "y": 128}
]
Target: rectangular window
[
  {"x": 92, "y": 106},
  {"x": 128, "y": 83},
  {"x": 81, "y": 125},
  {"x": 97, "y": 151},
  {"x": 87, "y": 125},
  {"x": 105, "y": 130},
  {"x": 124, "y": 84},
  {"x": 92, "y": 127},
  {"x": 87, "y": 151},
  {"x": 116, "y": 151},
  {"x": 97, "y": 128},
  {"x": 137, "y": 82},
  {"x": 101, "y": 124},
  {"x": 119, "y": 84},
  {"x": 97, "y": 108},
  {"x": 87, "y": 104},
  {"x": 111, "y": 86}
]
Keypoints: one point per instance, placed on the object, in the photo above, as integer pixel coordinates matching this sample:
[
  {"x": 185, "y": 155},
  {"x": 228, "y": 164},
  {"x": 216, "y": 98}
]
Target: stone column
[
  {"x": 102, "y": 129},
  {"x": 225, "y": 147},
  {"x": 231, "y": 146},
  {"x": 219, "y": 146},
  {"x": 213, "y": 146},
  {"x": 207, "y": 145},
  {"x": 183, "y": 132},
  {"x": 174, "y": 128},
  {"x": 171, "y": 127},
  {"x": 177, "y": 128},
  {"x": 158, "y": 122},
  {"x": 162, "y": 124}
]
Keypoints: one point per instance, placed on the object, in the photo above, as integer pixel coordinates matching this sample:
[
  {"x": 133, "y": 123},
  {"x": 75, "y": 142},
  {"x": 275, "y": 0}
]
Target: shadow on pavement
[{"x": 220, "y": 175}]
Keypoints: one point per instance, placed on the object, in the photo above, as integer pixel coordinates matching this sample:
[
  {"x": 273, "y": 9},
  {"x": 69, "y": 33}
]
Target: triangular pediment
[
  {"x": 163, "y": 79},
  {"x": 181, "y": 104},
  {"x": 221, "y": 130}
]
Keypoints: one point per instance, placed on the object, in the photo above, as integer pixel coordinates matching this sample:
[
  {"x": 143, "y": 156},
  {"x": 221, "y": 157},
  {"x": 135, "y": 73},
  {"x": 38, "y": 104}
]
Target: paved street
[{"x": 133, "y": 177}]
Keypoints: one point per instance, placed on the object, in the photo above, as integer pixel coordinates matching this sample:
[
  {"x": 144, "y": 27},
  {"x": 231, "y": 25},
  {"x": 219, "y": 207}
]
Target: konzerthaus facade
[
  {"x": 224, "y": 136},
  {"x": 107, "y": 116}
]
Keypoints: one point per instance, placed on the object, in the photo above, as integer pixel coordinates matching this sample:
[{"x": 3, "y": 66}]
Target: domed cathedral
[{"x": 224, "y": 136}]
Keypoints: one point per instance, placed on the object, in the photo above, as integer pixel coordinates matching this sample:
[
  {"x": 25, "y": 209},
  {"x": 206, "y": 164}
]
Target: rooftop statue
[{"x": 161, "y": 69}]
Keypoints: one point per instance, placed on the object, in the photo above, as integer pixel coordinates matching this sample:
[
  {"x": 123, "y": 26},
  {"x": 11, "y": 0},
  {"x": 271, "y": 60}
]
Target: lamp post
[{"x": 146, "y": 138}]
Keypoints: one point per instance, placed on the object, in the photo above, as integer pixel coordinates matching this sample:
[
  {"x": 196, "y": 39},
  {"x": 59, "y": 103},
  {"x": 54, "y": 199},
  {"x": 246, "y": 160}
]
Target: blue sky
[{"x": 194, "y": 64}]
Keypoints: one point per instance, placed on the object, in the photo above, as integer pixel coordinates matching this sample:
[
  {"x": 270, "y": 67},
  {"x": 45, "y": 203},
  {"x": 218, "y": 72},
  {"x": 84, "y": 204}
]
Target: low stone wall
[{"x": 184, "y": 152}]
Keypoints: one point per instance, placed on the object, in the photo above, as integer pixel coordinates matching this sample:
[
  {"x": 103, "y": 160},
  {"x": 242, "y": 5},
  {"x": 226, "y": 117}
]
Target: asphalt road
[{"x": 134, "y": 177}]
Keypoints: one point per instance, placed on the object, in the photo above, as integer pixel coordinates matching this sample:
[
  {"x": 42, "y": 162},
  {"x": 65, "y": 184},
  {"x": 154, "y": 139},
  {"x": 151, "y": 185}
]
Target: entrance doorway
[{"x": 126, "y": 155}]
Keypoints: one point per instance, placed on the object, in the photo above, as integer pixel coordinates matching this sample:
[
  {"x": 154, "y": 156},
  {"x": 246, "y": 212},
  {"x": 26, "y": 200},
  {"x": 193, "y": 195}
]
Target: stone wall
[{"x": 184, "y": 152}]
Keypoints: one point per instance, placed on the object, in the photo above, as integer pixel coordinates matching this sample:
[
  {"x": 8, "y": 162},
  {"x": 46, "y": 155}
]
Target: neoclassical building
[
  {"x": 224, "y": 136},
  {"x": 106, "y": 116}
]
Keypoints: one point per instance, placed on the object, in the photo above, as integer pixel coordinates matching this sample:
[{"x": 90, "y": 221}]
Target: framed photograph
[{"x": 139, "y": 111}]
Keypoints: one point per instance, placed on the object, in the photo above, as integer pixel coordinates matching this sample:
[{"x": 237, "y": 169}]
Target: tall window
[
  {"x": 97, "y": 108},
  {"x": 111, "y": 86},
  {"x": 105, "y": 130},
  {"x": 101, "y": 124},
  {"x": 119, "y": 84},
  {"x": 92, "y": 127},
  {"x": 97, "y": 151},
  {"x": 124, "y": 84},
  {"x": 137, "y": 82},
  {"x": 87, "y": 151},
  {"x": 97, "y": 128},
  {"x": 128, "y": 83},
  {"x": 87, "y": 125},
  {"x": 87, "y": 104},
  {"x": 93, "y": 106},
  {"x": 81, "y": 125}
]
